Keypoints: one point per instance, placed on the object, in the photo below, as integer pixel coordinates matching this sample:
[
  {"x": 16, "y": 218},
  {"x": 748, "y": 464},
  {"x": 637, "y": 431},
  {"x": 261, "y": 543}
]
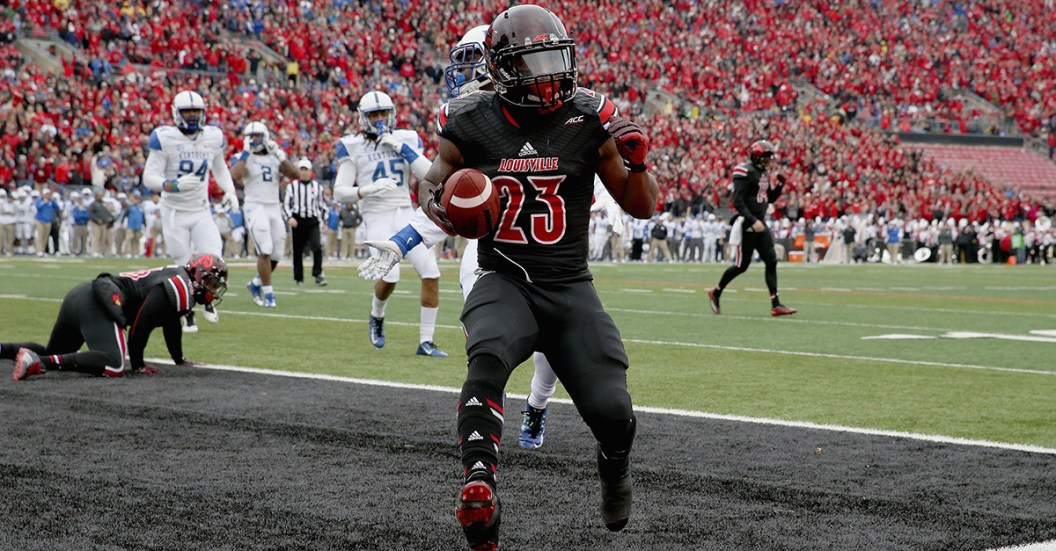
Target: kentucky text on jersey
[
  {"x": 186, "y": 152},
  {"x": 540, "y": 164}
]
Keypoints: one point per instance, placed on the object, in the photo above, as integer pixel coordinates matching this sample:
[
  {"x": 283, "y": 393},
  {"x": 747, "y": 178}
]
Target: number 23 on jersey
[{"x": 546, "y": 228}]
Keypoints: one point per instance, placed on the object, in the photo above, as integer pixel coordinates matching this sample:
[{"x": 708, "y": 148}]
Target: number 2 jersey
[
  {"x": 183, "y": 154},
  {"x": 544, "y": 170},
  {"x": 261, "y": 184},
  {"x": 372, "y": 161}
]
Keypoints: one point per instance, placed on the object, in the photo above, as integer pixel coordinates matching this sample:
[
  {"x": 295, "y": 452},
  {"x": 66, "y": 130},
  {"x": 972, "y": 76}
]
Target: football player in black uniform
[
  {"x": 752, "y": 194},
  {"x": 97, "y": 312},
  {"x": 541, "y": 140}
]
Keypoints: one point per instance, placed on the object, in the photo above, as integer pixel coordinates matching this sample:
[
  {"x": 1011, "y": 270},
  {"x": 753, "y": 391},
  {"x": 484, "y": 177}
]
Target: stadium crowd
[{"x": 891, "y": 64}]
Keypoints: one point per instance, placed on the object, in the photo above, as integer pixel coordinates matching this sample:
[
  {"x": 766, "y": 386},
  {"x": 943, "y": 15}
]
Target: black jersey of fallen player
[
  {"x": 136, "y": 285},
  {"x": 543, "y": 168},
  {"x": 752, "y": 192}
]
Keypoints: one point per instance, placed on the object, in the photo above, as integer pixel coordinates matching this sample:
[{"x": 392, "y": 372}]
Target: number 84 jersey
[
  {"x": 372, "y": 161},
  {"x": 183, "y": 154}
]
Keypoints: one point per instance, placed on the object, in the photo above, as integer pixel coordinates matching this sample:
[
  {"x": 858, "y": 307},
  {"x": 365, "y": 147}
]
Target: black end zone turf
[{"x": 203, "y": 459}]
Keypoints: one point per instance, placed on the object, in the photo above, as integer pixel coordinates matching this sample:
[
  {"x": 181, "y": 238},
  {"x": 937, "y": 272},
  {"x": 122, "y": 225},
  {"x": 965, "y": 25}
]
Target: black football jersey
[
  {"x": 544, "y": 171},
  {"x": 752, "y": 193},
  {"x": 136, "y": 285}
]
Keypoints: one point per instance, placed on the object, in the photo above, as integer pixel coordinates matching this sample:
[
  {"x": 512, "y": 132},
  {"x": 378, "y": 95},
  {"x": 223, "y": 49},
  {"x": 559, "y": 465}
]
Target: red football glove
[
  {"x": 631, "y": 142},
  {"x": 437, "y": 213}
]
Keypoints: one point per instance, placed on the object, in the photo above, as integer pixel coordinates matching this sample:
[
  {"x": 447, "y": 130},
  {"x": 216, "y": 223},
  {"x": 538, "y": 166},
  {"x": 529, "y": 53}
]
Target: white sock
[
  {"x": 377, "y": 307},
  {"x": 544, "y": 383},
  {"x": 256, "y": 280},
  {"x": 428, "y": 325},
  {"x": 267, "y": 289}
]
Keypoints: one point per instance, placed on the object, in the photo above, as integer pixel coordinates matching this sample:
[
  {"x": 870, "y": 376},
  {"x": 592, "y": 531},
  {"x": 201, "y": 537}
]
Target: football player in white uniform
[
  {"x": 180, "y": 160},
  {"x": 258, "y": 168},
  {"x": 466, "y": 74},
  {"x": 374, "y": 168}
]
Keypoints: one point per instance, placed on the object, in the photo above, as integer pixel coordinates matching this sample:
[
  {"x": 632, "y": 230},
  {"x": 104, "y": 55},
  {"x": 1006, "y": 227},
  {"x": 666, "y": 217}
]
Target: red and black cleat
[
  {"x": 713, "y": 301},
  {"x": 27, "y": 363},
  {"x": 782, "y": 310},
  {"x": 479, "y": 513}
]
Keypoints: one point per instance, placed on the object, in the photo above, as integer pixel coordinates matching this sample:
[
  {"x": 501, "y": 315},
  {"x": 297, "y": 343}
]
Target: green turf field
[{"x": 818, "y": 366}]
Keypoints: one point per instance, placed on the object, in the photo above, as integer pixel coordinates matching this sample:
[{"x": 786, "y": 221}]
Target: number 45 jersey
[
  {"x": 543, "y": 168},
  {"x": 372, "y": 161},
  {"x": 183, "y": 154}
]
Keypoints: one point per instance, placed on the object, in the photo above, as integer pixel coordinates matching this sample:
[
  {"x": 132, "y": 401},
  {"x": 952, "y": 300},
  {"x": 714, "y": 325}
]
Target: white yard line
[
  {"x": 939, "y": 439},
  {"x": 842, "y": 357},
  {"x": 659, "y": 343}
]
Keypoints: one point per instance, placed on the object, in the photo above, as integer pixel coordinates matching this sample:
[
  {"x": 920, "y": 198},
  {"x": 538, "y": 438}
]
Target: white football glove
[
  {"x": 273, "y": 148},
  {"x": 615, "y": 215},
  {"x": 189, "y": 182},
  {"x": 231, "y": 200},
  {"x": 380, "y": 186},
  {"x": 390, "y": 141},
  {"x": 375, "y": 267}
]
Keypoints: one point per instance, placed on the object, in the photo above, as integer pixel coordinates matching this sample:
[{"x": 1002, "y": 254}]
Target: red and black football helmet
[
  {"x": 208, "y": 278},
  {"x": 530, "y": 58},
  {"x": 761, "y": 153}
]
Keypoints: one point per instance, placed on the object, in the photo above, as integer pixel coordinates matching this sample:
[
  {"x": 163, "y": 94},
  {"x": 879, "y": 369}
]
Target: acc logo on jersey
[{"x": 574, "y": 120}]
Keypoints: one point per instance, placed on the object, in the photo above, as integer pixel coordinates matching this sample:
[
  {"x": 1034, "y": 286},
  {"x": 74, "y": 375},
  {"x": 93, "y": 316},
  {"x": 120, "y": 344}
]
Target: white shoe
[
  {"x": 210, "y": 314},
  {"x": 189, "y": 326}
]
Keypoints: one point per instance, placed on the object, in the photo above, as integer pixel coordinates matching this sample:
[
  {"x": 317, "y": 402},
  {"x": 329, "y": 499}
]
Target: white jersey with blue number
[
  {"x": 373, "y": 161},
  {"x": 262, "y": 179},
  {"x": 184, "y": 154}
]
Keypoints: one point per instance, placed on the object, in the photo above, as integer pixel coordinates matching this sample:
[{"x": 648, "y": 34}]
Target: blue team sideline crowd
[{"x": 97, "y": 222}]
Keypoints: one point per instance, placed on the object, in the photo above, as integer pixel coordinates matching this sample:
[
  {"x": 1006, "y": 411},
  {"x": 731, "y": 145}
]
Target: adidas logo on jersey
[
  {"x": 527, "y": 150},
  {"x": 479, "y": 466},
  {"x": 473, "y": 402},
  {"x": 475, "y": 436}
]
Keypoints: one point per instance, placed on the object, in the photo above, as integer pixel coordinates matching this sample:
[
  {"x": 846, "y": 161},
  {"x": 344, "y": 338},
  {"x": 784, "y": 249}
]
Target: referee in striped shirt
[{"x": 305, "y": 211}]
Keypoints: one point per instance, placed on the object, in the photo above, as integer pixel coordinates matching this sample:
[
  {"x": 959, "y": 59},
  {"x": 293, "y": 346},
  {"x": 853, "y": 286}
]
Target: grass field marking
[
  {"x": 939, "y": 439},
  {"x": 1003, "y": 336},
  {"x": 919, "y": 309},
  {"x": 862, "y": 291},
  {"x": 775, "y": 320},
  {"x": 658, "y": 343},
  {"x": 841, "y": 356}
]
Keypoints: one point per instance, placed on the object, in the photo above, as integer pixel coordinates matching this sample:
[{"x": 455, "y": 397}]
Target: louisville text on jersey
[{"x": 537, "y": 164}]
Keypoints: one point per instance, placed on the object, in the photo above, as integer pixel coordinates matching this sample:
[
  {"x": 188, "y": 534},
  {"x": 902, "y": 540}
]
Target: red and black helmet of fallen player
[
  {"x": 761, "y": 153},
  {"x": 208, "y": 278},
  {"x": 530, "y": 58}
]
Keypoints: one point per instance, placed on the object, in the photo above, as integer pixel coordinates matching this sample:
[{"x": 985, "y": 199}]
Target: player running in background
[
  {"x": 180, "y": 160},
  {"x": 752, "y": 194},
  {"x": 259, "y": 169},
  {"x": 96, "y": 313},
  {"x": 535, "y": 290},
  {"x": 374, "y": 168}
]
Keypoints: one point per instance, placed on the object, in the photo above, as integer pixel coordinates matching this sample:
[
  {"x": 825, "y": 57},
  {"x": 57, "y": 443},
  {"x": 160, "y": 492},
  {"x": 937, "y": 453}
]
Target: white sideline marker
[
  {"x": 1040, "y": 546},
  {"x": 938, "y": 439}
]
